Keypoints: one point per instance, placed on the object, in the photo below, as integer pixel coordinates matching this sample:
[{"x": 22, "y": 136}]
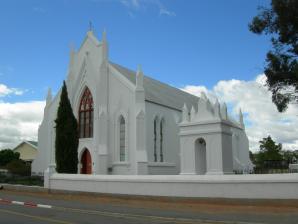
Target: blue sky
[
  {"x": 195, "y": 45},
  {"x": 178, "y": 42}
]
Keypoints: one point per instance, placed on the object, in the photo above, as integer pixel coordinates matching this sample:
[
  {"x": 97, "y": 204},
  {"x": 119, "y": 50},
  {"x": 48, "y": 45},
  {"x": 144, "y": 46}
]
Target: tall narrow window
[
  {"x": 122, "y": 139},
  {"x": 161, "y": 140},
  {"x": 86, "y": 115},
  {"x": 155, "y": 139}
]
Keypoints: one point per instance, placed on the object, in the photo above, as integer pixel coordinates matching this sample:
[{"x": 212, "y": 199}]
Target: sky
[{"x": 194, "y": 45}]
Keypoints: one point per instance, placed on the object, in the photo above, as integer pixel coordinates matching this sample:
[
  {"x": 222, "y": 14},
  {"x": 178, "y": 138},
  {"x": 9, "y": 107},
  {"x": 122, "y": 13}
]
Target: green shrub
[
  {"x": 18, "y": 167},
  {"x": 30, "y": 181},
  {"x": 7, "y": 155}
]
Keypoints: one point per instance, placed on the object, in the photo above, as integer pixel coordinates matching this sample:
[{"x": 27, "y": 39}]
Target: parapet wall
[{"x": 262, "y": 186}]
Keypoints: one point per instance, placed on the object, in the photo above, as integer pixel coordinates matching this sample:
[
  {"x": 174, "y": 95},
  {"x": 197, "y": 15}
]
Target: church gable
[
  {"x": 92, "y": 54},
  {"x": 89, "y": 57},
  {"x": 89, "y": 39},
  {"x": 90, "y": 47}
]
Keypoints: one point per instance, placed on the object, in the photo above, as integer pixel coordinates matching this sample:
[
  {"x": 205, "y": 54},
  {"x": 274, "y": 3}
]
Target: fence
[{"x": 251, "y": 186}]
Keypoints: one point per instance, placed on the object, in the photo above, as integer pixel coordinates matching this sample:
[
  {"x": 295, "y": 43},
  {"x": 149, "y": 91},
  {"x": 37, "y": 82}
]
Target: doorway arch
[
  {"x": 86, "y": 162},
  {"x": 200, "y": 156}
]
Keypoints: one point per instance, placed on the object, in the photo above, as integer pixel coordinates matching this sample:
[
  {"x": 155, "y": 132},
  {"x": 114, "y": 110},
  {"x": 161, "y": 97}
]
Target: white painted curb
[{"x": 27, "y": 204}]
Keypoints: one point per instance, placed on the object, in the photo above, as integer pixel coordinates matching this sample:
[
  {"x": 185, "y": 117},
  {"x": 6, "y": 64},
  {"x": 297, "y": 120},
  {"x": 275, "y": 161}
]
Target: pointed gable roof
[
  {"x": 33, "y": 143},
  {"x": 91, "y": 37},
  {"x": 155, "y": 91},
  {"x": 158, "y": 92}
]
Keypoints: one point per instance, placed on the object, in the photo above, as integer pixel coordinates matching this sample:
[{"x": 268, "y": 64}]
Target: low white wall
[{"x": 267, "y": 186}]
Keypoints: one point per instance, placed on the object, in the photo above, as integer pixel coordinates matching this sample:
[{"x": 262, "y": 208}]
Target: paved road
[{"x": 68, "y": 209}]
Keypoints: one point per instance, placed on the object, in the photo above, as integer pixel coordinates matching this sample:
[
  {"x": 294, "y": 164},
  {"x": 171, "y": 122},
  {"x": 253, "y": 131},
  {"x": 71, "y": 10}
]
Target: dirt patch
[{"x": 179, "y": 204}]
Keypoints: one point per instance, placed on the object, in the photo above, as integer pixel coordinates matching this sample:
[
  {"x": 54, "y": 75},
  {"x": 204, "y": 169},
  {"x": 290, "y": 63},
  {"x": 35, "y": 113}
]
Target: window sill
[
  {"x": 85, "y": 139},
  {"x": 161, "y": 164},
  {"x": 121, "y": 163}
]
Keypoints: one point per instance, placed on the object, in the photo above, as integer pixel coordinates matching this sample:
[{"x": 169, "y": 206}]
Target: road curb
[{"x": 27, "y": 204}]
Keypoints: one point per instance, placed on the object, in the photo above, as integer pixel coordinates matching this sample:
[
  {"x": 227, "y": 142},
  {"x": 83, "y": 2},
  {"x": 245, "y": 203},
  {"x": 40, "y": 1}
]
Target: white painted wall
[
  {"x": 267, "y": 186},
  {"x": 241, "y": 160},
  {"x": 27, "y": 151},
  {"x": 227, "y": 148},
  {"x": 171, "y": 164},
  {"x": 46, "y": 138},
  {"x": 121, "y": 102}
]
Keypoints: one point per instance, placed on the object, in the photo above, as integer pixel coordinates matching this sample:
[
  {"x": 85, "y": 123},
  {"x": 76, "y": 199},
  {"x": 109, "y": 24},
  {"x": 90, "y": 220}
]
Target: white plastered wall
[
  {"x": 46, "y": 138},
  {"x": 171, "y": 117},
  {"x": 241, "y": 160},
  {"x": 121, "y": 103}
]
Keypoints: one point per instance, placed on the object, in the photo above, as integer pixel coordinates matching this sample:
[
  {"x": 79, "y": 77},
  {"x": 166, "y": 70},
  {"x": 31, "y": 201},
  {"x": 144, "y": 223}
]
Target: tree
[
  {"x": 66, "y": 143},
  {"x": 8, "y": 155},
  {"x": 269, "y": 151},
  {"x": 290, "y": 156},
  {"x": 252, "y": 157},
  {"x": 281, "y": 23},
  {"x": 19, "y": 167}
]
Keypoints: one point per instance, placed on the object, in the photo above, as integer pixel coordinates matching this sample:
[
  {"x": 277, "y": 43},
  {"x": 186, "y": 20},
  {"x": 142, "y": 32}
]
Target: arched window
[
  {"x": 86, "y": 115},
  {"x": 200, "y": 156},
  {"x": 155, "y": 139},
  {"x": 122, "y": 139},
  {"x": 161, "y": 139}
]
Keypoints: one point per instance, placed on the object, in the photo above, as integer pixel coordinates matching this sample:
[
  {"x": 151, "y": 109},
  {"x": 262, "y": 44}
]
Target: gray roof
[
  {"x": 160, "y": 93},
  {"x": 33, "y": 143}
]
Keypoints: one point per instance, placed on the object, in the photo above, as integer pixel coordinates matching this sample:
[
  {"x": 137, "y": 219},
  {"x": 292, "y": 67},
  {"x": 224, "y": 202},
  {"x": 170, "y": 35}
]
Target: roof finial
[
  {"x": 71, "y": 47},
  {"x": 139, "y": 77},
  {"x": 185, "y": 114},
  {"x": 140, "y": 68},
  {"x": 104, "y": 46},
  {"x": 49, "y": 97},
  {"x": 224, "y": 111},
  {"x": 192, "y": 114},
  {"x": 217, "y": 109},
  {"x": 104, "y": 35},
  {"x": 241, "y": 118},
  {"x": 90, "y": 26},
  {"x": 203, "y": 96}
]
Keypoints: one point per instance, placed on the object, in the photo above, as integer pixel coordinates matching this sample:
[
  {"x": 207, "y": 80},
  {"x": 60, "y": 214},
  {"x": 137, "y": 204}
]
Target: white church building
[{"x": 131, "y": 124}]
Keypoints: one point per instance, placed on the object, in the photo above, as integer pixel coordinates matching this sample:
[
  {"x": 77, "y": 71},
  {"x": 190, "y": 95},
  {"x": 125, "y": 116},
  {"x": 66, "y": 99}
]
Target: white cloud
[
  {"x": 137, "y": 5},
  {"x": 19, "y": 121},
  {"x": 131, "y": 4},
  {"x": 197, "y": 90},
  {"x": 261, "y": 116},
  {"x": 163, "y": 11},
  {"x": 5, "y": 91}
]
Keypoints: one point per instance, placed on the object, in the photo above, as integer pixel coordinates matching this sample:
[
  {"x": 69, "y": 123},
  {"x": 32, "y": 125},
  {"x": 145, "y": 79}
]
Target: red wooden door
[{"x": 86, "y": 162}]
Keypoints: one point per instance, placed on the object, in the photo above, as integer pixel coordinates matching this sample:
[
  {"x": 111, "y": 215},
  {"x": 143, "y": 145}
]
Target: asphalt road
[{"x": 68, "y": 209}]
